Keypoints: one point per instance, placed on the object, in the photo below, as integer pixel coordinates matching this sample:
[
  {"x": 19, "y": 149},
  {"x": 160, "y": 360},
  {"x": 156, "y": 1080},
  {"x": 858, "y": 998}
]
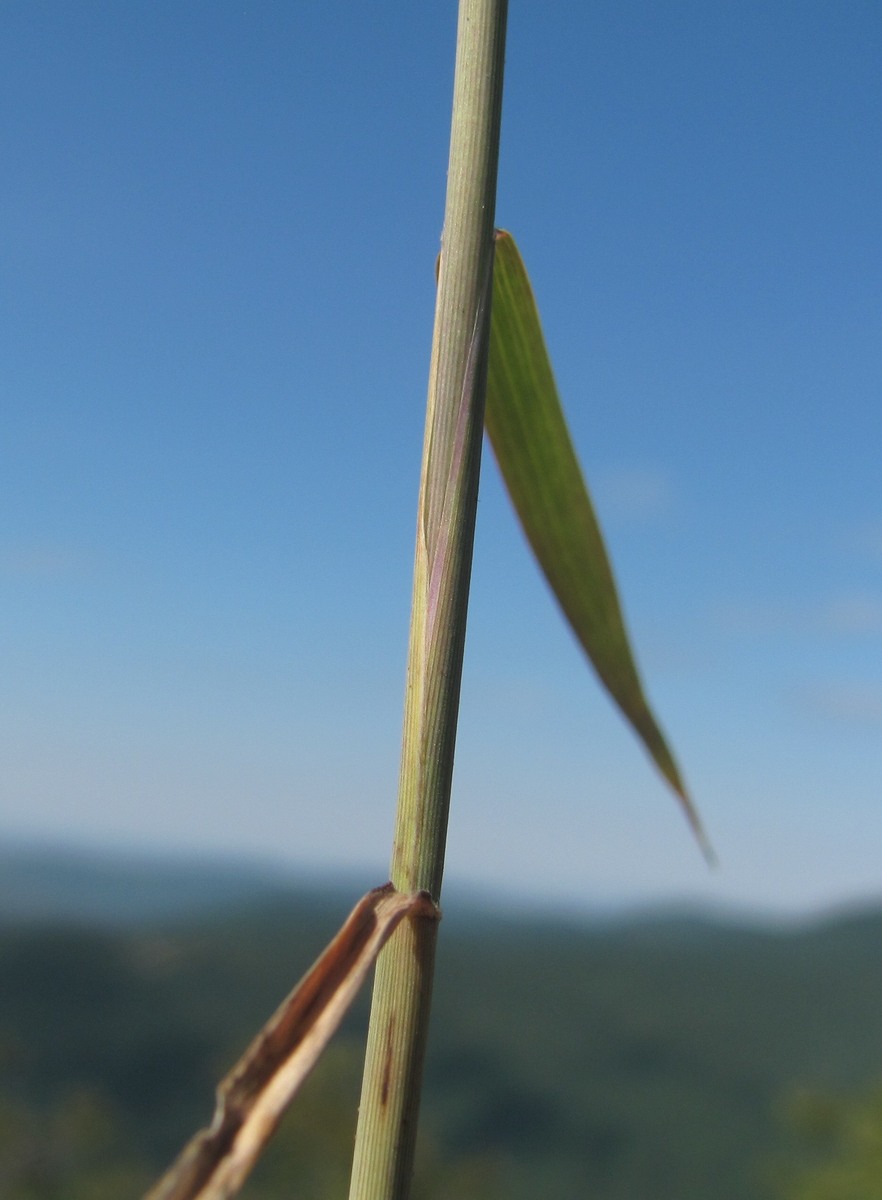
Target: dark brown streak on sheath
[
  {"x": 291, "y": 1023},
  {"x": 387, "y": 1063}
]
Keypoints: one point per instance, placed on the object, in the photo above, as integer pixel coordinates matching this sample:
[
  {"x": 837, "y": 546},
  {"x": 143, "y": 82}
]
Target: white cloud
[
  {"x": 41, "y": 562},
  {"x": 753, "y": 618},
  {"x": 866, "y": 540},
  {"x": 856, "y": 613},
  {"x": 854, "y": 703},
  {"x": 637, "y": 494},
  {"x": 852, "y": 614}
]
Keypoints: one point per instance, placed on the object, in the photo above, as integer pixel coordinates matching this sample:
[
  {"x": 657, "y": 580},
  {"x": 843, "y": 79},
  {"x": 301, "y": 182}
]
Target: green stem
[{"x": 384, "y": 1148}]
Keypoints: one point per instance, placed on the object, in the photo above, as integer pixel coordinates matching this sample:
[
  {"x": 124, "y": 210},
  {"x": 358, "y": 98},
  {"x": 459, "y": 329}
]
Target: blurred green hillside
[{"x": 645, "y": 1059}]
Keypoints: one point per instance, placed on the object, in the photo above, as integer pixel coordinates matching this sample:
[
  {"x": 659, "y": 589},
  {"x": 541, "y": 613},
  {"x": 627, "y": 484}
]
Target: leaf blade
[{"x": 527, "y": 429}]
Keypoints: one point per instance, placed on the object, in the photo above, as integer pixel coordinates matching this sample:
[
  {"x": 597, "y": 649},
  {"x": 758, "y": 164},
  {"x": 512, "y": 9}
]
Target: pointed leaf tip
[{"x": 530, "y": 439}]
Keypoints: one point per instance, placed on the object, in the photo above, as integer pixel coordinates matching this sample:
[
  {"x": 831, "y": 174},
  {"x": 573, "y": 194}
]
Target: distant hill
[
  {"x": 40, "y": 884},
  {"x": 646, "y": 1058}
]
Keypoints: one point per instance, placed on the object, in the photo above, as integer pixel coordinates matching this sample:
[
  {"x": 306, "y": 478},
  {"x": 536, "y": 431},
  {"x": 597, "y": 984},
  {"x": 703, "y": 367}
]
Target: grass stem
[{"x": 384, "y": 1150}]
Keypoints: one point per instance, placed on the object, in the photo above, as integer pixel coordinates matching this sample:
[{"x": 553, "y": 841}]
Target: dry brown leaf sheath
[{"x": 253, "y": 1097}]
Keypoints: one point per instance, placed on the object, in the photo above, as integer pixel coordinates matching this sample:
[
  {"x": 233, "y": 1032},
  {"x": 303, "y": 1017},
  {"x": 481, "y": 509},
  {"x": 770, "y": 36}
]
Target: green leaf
[{"x": 529, "y": 435}]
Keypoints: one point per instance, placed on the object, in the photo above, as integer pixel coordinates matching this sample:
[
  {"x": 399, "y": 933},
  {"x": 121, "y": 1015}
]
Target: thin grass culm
[
  {"x": 489, "y": 369},
  {"x": 384, "y": 1149}
]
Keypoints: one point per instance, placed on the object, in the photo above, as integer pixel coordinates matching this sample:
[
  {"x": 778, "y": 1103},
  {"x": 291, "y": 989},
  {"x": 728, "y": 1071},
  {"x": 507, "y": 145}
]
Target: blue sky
[{"x": 218, "y": 235}]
